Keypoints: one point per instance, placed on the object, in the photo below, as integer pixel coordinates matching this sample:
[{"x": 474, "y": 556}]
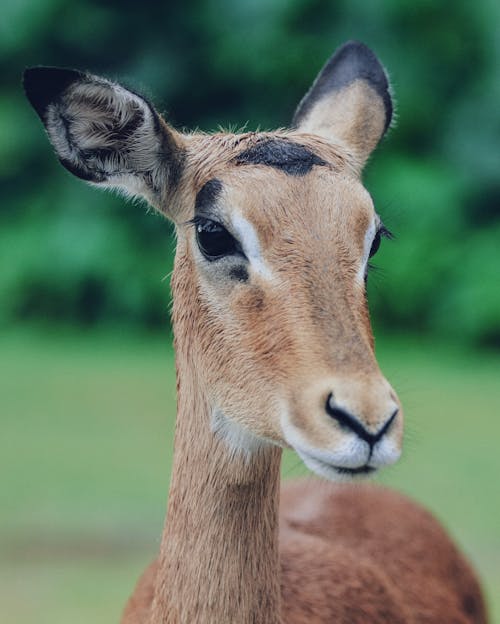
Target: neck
[{"x": 219, "y": 557}]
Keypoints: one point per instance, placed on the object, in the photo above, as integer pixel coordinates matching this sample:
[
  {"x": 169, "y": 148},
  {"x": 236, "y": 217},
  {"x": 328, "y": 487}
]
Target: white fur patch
[
  {"x": 385, "y": 452},
  {"x": 251, "y": 246},
  {"x": 350, "y": 452},
  {"x": 239, "y": 441},
  {"x": 369, "y": 236}
]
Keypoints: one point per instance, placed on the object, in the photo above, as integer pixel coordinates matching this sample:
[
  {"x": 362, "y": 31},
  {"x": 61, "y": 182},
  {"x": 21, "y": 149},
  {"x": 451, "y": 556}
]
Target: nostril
[
  {"x": 388, "y": 424},
  {"x": 348, "y": 421},
  {"x": 337, "y": 413},
  {"x": 345, "y": 419}
]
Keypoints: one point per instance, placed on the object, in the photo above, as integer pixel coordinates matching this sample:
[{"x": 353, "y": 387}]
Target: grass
[{"x": 87, "y": 423}]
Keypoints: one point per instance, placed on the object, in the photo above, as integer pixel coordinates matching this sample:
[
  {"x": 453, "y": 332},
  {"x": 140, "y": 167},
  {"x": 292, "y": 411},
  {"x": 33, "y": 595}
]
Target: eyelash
[
  {"x": 385, "y": 232},
  {"x": 196, "y": 220},
  {"x": 382, "y": 232}
]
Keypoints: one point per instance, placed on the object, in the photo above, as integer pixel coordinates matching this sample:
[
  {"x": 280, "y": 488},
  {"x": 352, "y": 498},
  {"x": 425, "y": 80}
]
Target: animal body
[{"x": 273, "y": 349}]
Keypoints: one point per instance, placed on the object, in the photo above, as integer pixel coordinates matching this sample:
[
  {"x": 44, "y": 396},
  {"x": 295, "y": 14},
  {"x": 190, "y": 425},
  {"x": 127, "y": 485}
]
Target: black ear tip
[
  {"x": 44, "y": 85},
  {"x": 350, "y": 62},
  {"x": 361, "y": 58},
  {"x": 357, "y": 47},
  {"x": 357, "y": 60}
]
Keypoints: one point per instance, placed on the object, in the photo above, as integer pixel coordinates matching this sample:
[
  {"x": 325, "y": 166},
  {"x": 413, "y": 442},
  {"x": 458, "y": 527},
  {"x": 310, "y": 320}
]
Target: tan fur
[
  {"x": 311, "y": 232},
  {"x": 260, "y": 361},
  {"x": 354, "y": 117}
]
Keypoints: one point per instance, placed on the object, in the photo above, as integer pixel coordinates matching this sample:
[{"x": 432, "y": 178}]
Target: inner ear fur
[
  {"x": 106, "y": 134},
  {"x": 349, "y": 102}
]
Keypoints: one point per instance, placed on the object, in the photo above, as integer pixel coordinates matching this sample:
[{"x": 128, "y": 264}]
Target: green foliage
[{"x": 69, "y": 253}]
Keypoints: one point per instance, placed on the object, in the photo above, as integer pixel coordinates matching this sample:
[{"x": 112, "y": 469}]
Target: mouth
[
  {"x": 361, "y": 470},
  {"x": 332, "y": 471},
  {"x": 365, "y": 469}
]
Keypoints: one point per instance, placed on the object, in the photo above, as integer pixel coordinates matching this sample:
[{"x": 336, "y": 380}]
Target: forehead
[
  {"x": 284, "y": 179},
  {"x": 292, "y": 153}
]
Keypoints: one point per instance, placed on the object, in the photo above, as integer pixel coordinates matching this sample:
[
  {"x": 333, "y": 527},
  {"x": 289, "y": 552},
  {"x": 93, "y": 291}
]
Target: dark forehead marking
[
  {"x": 288, "y": 156},
  {"x": 208, "y": 195}
]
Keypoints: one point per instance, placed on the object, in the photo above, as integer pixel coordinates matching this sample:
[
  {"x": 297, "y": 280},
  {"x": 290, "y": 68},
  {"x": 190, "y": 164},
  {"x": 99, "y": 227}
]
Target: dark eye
[
  {"x": 376, "y": 244},
  {"x": 214, "y": 240},
  {"x": 381, "y": 232}
]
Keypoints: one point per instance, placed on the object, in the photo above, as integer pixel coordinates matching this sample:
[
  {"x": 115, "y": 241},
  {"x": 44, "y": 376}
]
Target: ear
[
  {"x": 105, "y": 134},
  {"x": 349, "y": 102}
]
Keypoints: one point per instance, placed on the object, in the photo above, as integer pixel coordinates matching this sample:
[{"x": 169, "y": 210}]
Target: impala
[{"x": 273, "y": 349}]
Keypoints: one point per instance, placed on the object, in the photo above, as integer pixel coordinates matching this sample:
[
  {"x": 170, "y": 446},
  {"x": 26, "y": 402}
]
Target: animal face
[{"x": 274, "y": 235}]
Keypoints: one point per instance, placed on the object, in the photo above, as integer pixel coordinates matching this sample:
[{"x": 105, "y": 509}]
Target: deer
[{"x": 274, "y": 349}]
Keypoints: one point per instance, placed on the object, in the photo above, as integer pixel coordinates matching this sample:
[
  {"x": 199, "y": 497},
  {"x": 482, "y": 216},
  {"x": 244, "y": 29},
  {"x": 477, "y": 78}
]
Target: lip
[
  {"x": 332, "y": 471},
  {"x": 365, "y": 469},
  {"x": 362, "y": 470}
]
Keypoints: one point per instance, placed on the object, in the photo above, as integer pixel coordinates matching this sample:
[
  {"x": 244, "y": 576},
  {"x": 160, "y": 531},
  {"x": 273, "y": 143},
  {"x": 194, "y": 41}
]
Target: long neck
[{"x": 219, "y": 559}]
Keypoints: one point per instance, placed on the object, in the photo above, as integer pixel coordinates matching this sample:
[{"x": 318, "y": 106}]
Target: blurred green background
[{"x": 87, "y": 385}]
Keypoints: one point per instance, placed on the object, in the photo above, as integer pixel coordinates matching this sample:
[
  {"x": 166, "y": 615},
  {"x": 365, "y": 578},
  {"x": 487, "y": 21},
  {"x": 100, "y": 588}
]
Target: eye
[
  {"x": 375, "y": 244},
  {"x": 214, "y": 240},
  {"x": 381, "y": 232}
]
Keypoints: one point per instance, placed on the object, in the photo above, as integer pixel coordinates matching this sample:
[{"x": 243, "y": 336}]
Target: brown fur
[{"x": 358, "y": 553}]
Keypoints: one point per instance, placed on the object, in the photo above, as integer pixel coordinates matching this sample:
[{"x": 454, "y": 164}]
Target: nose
[{"x": 348, "y": 421}]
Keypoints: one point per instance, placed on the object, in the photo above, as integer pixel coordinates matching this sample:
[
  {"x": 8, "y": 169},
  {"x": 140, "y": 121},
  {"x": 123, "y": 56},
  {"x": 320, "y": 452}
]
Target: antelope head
[{"x": 274, "y": 235}]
